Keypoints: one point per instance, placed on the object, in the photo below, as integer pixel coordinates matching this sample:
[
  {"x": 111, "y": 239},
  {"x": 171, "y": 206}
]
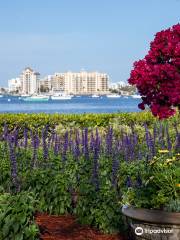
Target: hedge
[{"x": 22, "y": 120}]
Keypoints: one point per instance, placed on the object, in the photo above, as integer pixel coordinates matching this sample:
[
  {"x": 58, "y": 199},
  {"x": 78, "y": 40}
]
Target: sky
[{"x": 70, "y": 35}]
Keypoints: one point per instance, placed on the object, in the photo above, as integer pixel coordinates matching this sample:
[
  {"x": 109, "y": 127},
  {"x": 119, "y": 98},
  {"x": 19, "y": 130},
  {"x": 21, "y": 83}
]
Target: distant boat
[
  {"x": 95, "y": 96},
  {"x": 113, "y": 96},
  {"x": 36, "y": 98},
  {"x": 25, "y": 95},
  {"x": 61, "y": 96},
  {"x": 135, "y": 96}
]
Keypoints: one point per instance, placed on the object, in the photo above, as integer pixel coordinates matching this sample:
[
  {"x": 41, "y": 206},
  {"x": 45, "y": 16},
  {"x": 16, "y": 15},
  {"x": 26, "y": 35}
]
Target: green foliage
[
  {"x": 54, "y": 180},
  {"x": 16, "y": 217},
  {"x": 173, "y": 206},
  {"x": 160, "y": 184},
  {"x": 100, "y": 209},
  {"x": 38, "y": 121},
  {"x": 51, "y": 189}
]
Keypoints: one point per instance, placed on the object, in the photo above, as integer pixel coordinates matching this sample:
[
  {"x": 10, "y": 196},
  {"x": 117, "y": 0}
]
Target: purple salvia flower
[
  {"x": 12, "y": 152},
  {"x": 65, "y": 146},
  {"x": 70, "y": 140},
  {"x": 86, "y": 150},
  {"x": 77, "y": 146},
  {"x": 147, "y": 135},
  {"x": 53, "y": 138},
  {"x": 128, "y": 182},
  {"x": 97, "y": 140},
  {"x": 154, "y": 133},
  {"x": 169, "y": 144},
  {"x": 126, "y": 143},
  {"x": 92, "y": 142},
  {"x": 35, "y": 145},
  {"x": 152, "y": 145},
  {"x": 44, "y": 143},
  {"x": 177, "y": 146},
  {"x": 138, "y": 181},
  {"x": 5, "y": 132},
  {"x": 139, "y": 155},
  {"x": 115, "y": 166},
  {"x": 16, "y": 136},
  {"x": 161, "y": 136},
  {"x": 56, "y": 144},
  {"x": 109, "y": 141}
]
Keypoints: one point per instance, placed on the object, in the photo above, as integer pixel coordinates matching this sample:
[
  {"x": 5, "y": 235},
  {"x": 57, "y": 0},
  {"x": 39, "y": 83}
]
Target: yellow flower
[
  {"x": 169, "y": 161},
  {"x": 178, "y": 185},
  {"x": 163, "y": 151}
]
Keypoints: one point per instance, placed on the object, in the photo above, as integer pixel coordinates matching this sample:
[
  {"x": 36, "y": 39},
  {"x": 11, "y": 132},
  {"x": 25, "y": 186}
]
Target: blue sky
[{"x": 61, "y": 35}]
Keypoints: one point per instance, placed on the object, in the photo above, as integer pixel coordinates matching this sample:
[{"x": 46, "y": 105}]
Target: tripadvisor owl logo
[{"x": 138, "y": 231}]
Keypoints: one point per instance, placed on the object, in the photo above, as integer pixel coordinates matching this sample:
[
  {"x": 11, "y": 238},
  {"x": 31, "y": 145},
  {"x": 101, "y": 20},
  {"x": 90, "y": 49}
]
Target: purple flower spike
[
  {"x": 138, "y": 181},
  {"x": 85, "y": 147},
  {"x": 35, "y": 145},
  {"x": 109, "y": 141},
  {"x": 128, "y": 182},
  {"x": 65, "y": 146},
  {"x": 115, "y": 166},
  {"x": 56, "y": 145},
  {"x": 44, "y": 143},
  {"x": 13, "y": 161},
  {"x": 169, "y": 144},
  {"x": 25, "y": 138}
]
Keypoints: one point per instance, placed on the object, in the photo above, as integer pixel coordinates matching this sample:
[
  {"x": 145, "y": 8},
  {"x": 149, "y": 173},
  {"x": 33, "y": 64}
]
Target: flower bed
[{"x": 95, "y": 164}]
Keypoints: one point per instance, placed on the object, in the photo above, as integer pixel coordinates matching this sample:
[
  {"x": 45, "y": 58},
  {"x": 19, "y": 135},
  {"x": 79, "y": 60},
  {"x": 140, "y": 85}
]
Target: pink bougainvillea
[{"x": 157, "y": 76}]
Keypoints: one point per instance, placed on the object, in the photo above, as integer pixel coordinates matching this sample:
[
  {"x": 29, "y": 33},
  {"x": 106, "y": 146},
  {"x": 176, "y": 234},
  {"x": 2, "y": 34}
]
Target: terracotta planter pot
[{"x": 152, "y": 224}]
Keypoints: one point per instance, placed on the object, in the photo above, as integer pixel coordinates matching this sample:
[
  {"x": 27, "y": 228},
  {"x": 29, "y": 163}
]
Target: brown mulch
[{"x": 66, "y": 228}]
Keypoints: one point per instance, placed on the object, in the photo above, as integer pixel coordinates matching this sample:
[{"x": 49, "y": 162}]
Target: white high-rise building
[
  {"x": 78, "y": 83},
  {"x": 30, "y": 81},
  {"x": 14, "y": 85},
  {"x": 86, "y": 83}
]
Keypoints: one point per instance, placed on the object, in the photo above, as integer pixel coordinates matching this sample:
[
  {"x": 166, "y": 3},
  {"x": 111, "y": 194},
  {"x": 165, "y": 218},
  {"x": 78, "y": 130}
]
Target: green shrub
[
  {"x": 34, "y": 121},
  {"x": 16, "y": 217}
]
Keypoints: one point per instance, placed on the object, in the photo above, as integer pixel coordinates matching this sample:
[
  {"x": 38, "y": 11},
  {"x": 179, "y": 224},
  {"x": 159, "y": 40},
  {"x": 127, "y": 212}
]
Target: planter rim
[{"x": 151, "y": 215}]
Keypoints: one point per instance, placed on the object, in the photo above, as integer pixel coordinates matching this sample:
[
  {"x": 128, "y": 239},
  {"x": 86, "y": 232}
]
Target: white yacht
[
  {"x": 136, "y": 96},
  {"x": 1, "y": 96},
  {"x": 25, "y": 95},
  {"x": 113, "y": 96},
  {"x": 61, "y": 96},
  {"x": 36, "y": 98},
  {"x": 95, "y": 96}
]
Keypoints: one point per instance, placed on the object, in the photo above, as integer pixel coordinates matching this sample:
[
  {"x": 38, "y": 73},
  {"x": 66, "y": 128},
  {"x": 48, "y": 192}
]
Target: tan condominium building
[
  {"x": 86, "y": 83},
  {"x": 30, "y": 81},
  {"x": 77, "y": 83},
  {"x": 55, "y": 83}
]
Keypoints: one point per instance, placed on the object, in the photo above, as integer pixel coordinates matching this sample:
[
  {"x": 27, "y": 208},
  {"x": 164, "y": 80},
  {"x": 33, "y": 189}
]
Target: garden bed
[{"x": 65, "y": 227}]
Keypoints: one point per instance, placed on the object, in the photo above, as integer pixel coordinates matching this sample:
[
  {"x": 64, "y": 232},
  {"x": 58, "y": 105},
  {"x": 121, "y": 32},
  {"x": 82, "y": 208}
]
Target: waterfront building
[
  {"x": 14, "y": 85},
  {"x": 46, "y": 84},
  {"x": 86, "y": 83},
  {"x": 30, "y": 81},
  {"x": 58, "y": 82},
  {"x": 80, "y": 83}
]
